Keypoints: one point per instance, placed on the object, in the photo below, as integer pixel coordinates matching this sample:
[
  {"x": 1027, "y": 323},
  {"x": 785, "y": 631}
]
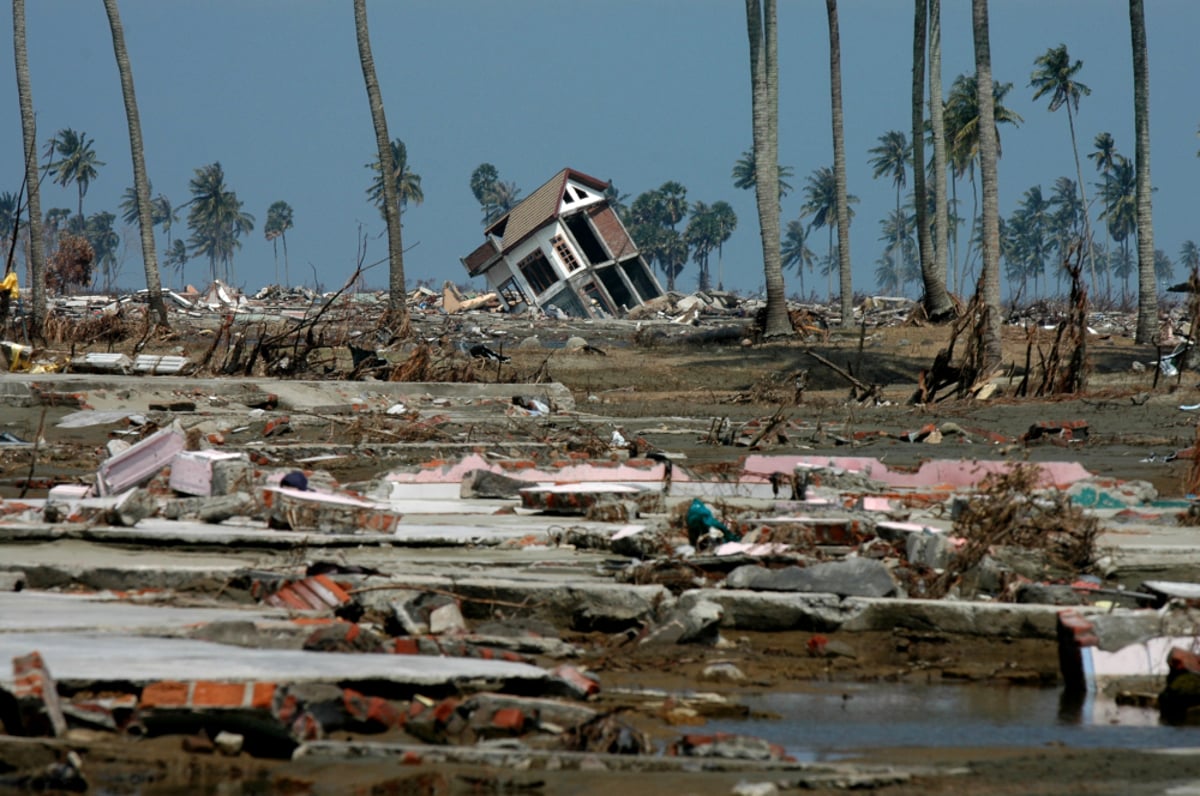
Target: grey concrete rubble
[{"x": 453, "y": 595}]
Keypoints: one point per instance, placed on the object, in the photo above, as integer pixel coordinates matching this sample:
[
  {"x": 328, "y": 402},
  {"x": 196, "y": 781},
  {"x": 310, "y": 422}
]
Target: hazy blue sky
[{"x": 637, "y": 91}]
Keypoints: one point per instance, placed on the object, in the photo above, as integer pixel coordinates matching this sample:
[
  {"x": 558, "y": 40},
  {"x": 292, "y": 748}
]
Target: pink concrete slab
[
  {"x": 933, "y": 473},
  {"x": 139, "y": 463}
]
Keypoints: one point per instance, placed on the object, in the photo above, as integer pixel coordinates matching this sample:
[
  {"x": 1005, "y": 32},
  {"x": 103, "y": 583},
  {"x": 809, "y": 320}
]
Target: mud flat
[{"x": 507, "y": 587}]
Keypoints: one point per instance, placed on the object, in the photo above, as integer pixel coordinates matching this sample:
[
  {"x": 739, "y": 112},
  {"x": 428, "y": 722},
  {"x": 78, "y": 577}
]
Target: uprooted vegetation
[{"x": 1010, "y": 510}]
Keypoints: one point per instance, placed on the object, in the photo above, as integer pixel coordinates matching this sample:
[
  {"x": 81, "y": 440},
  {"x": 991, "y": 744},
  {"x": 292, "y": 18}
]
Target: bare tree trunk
[
  {"x": 938, "y": 305},
  {"x": 839, "y": 164},
  {"x": 990, "y": 277},
  {"x": 1147, "y": 318},
  {"x": 141, "y": 185},
  {"x": 397, "y": 315},
  {"x": 37, "y": 252},
  {"x": 764, "y": 82}
]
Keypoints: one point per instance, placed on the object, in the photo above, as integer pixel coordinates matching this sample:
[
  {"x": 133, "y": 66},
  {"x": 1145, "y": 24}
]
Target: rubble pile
[{"x": 447, "y": 566}]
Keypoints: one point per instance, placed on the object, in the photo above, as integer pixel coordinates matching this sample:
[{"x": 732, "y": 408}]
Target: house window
[
  {"x": 538, "y": 271},
  {"x": 569, "y": 261}
]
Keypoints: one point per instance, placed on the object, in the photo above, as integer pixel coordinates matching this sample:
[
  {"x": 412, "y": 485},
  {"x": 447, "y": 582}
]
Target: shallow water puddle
[{"x": 833, "y": 720}]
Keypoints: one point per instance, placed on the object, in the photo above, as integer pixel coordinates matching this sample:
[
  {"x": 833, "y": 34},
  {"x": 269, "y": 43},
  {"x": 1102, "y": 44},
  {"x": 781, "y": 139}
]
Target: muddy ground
[{"x": 1134, "y": 423}]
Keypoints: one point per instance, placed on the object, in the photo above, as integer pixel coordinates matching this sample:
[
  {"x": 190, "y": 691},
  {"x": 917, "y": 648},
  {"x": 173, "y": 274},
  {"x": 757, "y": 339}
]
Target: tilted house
[{"x": 564, "y": 246}]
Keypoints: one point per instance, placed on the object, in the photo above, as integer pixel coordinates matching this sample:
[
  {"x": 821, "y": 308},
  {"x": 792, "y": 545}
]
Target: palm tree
[
  {"x": 616, "y": 200},
  {"x": 743, "y": 174},
  {"x": 504, "y": 197},
  {"x": 839, "y": 163},
  {"x": 674, "y": 202},
  {"x": 764, "y": 84},
  {"x": 1164, "y": 269},
  {"x": 105, "y": 242},
  {"x": 725, "y": 221},
  {"x": 935, "y": 273},
  {"x": 279, "y": 221},
  {"x": 795, "y": 251},
  {"x": 988, "y": 155},
  {"x": 37, "y": 254},
  {"x": 141, "y": 182},
  {"x": 77, "y": 162},
  {"x": 1119, "y": 198},
  {"x": 483, "y": 183},
  {"x": 397, "y": 313},
  {"x": 653, "y": 216},
  {"x": 1147, "y": 317},
  {"x": 1106, "y": 158},
  {"x": 962, "y": 139},
  {"x": 1032, "y": 224},
  {"x": 891, "y": 158},
  {"x": 702, "y": 236},
  {"x": 1189, "y": 256},
  {"x": 1056, "y": 75},
  {"x": 215, "y": 219},
  {"x": 1066, "y": 219},
  {"x": 898, "y": 228},
  {"x": 176, "y": 256},
  {"x": 495, "y": 197},
  {"x": 820, "y": 191},
  {"x": 408, "y": 184}
]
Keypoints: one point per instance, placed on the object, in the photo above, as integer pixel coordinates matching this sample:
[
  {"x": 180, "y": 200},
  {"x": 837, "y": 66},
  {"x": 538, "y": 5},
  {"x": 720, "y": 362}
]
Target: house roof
[{"x": 539, "y": 207}]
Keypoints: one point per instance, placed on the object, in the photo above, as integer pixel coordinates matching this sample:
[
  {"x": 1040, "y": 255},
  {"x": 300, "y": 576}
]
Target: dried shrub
[
  {"x": 422, "y": 365},
  {"x": 71, "y": 264},
  {"x": 1010, "y": 511},
  {"x": 103, "y": 329}
]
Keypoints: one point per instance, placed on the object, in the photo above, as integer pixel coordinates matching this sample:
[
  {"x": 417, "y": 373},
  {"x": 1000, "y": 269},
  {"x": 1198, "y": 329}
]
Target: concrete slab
[
  {"x": 99, "y": 657},
  {"x": 26, "y": 611}
]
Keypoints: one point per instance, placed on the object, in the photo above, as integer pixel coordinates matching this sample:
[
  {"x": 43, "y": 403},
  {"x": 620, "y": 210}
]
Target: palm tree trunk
[
  {"x": 920, "y": 205},
  {"x": 764, "y": 83},
  {"x": 1147, "y": 318},
  {"x": 141, "y": 185},
  {"x": 397, "y": 315},
  {"x": 990, "y": 276},
  {"x": 37, "y": 253},
  {"x": 839, "y": 164},
  {"x": 938, "y": 305},
  {"x": 1087, "y": 224}
]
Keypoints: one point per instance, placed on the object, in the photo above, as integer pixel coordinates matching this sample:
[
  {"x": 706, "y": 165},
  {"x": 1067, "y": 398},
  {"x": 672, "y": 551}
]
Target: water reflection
[{"x": 831, "y": 720}]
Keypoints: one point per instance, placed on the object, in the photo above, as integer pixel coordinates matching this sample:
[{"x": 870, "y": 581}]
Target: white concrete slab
[
  {"x": 26, "y": 611},
  {"x": 99, "y": 656}
]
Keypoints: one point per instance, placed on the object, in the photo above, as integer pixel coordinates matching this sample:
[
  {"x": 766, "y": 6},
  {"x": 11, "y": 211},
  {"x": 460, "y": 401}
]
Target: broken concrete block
[
  {"x": 447, "y": 618},
  {"x": 727, "y": 745},
  {"x": 1110, "y": 493},
  {"x": 37, "y": 697},
  {"x": 215, "y": 509},
  {"x": 573, "y": 498},
  {"x": 851, "y": 577},
  {"x": 722, "y": 672},
  {"x": 485, "y": 484},
  {"x": 192, "y": 472},
  {"x": 141, "y": 462},
  {"x": 327, "y": 512},
  {"x": 574, "y": 682},
  {"x": 12, "y": 581},
  {"x": 928, "y": 549},
  {"x": 697, "y": 622},
  {"x": 124, "y": 510},
  {"x": 229, "y": 743},
  {"x": 100, "y": 362}
]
